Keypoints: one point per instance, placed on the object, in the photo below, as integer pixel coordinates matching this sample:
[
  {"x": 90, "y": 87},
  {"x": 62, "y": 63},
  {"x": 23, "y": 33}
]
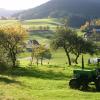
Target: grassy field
[
  {"x": 7, "y": 22},
  {"x": 52, "y": 23},
  {"x": 47, "y": 82}
]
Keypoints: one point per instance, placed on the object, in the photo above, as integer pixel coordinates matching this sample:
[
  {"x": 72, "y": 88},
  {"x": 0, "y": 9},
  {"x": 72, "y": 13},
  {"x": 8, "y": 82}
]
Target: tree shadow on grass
[
  {"x": 8, "y": 80},
  {"x": 55, "y": 66},
  {"x": 88, "y": 67},
  {"x": 37, "y": 73}
]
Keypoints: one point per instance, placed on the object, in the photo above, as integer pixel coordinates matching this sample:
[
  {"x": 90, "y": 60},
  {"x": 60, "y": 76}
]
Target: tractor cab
[{"x": 84, "y": 73}]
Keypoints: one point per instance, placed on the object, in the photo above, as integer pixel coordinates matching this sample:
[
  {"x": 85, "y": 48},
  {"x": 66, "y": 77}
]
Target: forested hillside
[{"x": 80, "y": 10}]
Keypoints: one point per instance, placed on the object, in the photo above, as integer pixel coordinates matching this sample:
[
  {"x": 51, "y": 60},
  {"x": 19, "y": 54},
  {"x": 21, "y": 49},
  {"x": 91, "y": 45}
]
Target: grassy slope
[
  {"x": 52, "y": 23},
  {"x": 7, "y": 22},
  {"x": 48, "y": 82},
  {"x": 41, "y": 83}
]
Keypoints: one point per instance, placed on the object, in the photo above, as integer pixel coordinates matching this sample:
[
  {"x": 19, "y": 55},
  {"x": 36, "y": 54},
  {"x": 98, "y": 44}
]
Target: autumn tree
[
  {"x": 11, "y": 38},
  {"x": 41, "y": 52}
]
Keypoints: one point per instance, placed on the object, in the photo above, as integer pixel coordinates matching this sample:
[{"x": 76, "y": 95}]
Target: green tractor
[{"x": 82, "y": 78}]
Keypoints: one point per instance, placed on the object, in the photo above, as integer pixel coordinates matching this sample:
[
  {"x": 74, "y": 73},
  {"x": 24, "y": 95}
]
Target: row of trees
[
  {"x": 43, "y": 28},
  {"x": 11, "y": 40},
  {"x": 68, "y": 39},
  {"x": 13, "y": 36}
]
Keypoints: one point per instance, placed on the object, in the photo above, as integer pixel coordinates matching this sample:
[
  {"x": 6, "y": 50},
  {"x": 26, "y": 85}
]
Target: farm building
[
  {"x": 30, "y": 44},
  {"x": 93, "y": 32}
]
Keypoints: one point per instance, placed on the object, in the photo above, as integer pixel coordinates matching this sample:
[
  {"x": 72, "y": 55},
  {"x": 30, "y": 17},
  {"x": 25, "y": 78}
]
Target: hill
[
  {"x": 80, "y": 10},
  {"x": 7, "y": 13}
]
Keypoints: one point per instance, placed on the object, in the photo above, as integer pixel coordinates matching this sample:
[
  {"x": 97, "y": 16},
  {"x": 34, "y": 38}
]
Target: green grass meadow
[
  {"x": 35, "y": 23},
  {"x": 47, "y": 82}
]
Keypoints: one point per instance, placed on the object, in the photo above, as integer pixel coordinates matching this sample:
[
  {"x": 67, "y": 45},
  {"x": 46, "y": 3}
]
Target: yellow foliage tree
[
  {"x": 41, "y": 52},
  {"x": 11, "y": 38}
]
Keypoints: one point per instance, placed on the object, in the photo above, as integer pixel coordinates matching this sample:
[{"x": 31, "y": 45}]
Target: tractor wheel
[
  {"x": 84, "y": 85},
  {"x": 97, "y": 84},
  {"x": 74, "y": 84}
]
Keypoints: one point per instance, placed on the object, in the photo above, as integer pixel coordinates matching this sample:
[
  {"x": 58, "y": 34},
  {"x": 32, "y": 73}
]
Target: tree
[
  {"x": 72, "y": 43},
  {"x": 78, "y": 50},
  {"x": 48, "y": 55},
  {"x": 61, "y": 39},
  {"x": 4, "y": 60},
  {"x": 11, "y": 38},
  {"x": 80, "y": 45},
  {"x": 40, "y": 52}
]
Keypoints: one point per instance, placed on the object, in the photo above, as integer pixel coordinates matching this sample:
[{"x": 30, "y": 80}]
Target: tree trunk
[
  {"x": 37, "y": 61},
  {"x": 77, "y": 56},
  {"x": 32, "y": 56},
  {"x": 13, "y": 58},
  {"x": 12, "y": 55},
  {"x": 14, "y": 63},
  {"x": 41, "y": 61},
  {"x": 82, "y": 62},
  {"x": 68, "y": 56}
]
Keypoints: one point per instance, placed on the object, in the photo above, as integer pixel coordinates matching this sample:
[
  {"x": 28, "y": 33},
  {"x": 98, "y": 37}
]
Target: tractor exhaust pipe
[{"x": 82, "y": 62}]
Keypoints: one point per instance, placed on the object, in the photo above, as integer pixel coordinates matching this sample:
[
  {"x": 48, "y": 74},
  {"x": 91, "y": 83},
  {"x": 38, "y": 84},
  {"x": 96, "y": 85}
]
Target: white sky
[{"x": 20, "y": 4}]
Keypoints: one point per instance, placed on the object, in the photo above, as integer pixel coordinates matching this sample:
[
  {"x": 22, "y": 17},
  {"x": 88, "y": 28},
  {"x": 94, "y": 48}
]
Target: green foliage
[
  {"x": 5, "y": 62},
  {"x": 80, "y": 45},
  {"x": 72, "y": 43},
  {"x": 63, "y": 38},
  {"x": 3, "y": 66}
]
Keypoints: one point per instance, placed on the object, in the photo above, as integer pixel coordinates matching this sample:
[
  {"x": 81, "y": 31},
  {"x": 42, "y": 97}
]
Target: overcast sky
[{"x": 20, "y": 4}]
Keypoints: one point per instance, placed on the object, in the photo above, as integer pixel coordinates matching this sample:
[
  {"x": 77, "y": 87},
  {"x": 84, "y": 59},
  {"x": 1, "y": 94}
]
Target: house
[
  {"x": 33, "y": 42},
  {"x": 30, "y": 44},
  {"x": 93, "y": 32}
]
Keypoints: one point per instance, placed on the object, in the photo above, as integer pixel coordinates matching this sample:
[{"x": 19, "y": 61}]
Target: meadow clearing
[{"x": 46, "y": 82}]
